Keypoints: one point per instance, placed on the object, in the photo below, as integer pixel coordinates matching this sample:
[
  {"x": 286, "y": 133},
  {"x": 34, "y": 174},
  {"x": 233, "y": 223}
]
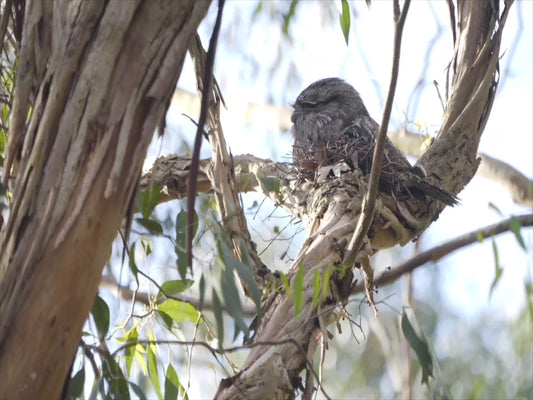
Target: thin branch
[
  {"x": 108, "y": 282},
  {"x": 369, "y": 203},
  {"x": 206, "y": 96},
  {"x": 436, "y": 253}
]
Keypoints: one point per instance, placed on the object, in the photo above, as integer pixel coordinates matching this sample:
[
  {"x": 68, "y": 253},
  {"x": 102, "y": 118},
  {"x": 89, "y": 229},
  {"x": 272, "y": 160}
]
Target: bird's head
[{"x": 330, "y": 98}]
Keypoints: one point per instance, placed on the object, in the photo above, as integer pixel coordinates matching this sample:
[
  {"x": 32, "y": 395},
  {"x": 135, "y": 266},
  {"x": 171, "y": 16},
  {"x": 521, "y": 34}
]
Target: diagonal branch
[
  {"x": 440, "y": 251},
  {"x": 222, "y": 175},
  {"x": 205, "y": 86},
  {"x": 369, "y": 203}
]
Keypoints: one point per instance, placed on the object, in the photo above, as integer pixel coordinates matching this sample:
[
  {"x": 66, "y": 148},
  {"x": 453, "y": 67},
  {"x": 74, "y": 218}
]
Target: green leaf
[
  {"x": 76, "y": 384},
  {"x": 245, "y": 273},
  {"x": 325, "y": 283},
  {"x": 181, "y": 240},
  {"x": 3, "y": 141},
  {"x": 201, "y": 287},
  {"x": 172, "y": 384},
  {"x": 148, "y": 199},
  {"x": 495, "y": 208},
  {"x": 118, "y": 385},
  {"x": 138, "y": 391},
  {"x": 100, "y": 312},
  {"x": 230, "y": 294},
  {"x": 152, "y": 226},
  {"x": 345, "y": 20},
  {"x": 219, "y": 318},
  {"x": 479, "y": 236},
  {"x": 129, "y": 352},
  {"x": 270, "y": 185},
  {"x": 515, "y": 228},
  {"x": 288, "y": 17},
  {"x": 529, "y": 298},
  {"x": 147, "y": 244},
  {"x": 419, "y": 344},
  {"x": 172, "y": 288},
  {"x": 179, "y": 311},
  {"x": 498, "y": 270},
  {"x": 132, "y": 264},
  {"x": 299, "y": 290},
  {"x": 152, "y": 370},
  {"x": 286, "y": 285},
  {"x": 316, "y": 287}
]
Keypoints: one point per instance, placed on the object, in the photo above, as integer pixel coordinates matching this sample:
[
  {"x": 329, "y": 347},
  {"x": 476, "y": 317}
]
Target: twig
[
  {"x": 207, "y": 82},
  {"x": 369, "y": 202},
  {"x": 436, "y": 253}
]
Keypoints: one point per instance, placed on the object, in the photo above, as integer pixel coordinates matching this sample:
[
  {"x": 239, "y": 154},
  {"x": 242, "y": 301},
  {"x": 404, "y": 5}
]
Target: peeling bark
[{"x": 98, "y": 76}]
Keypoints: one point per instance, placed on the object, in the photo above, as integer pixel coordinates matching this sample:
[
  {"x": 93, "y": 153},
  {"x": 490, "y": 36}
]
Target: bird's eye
[{"x": 309, "y": 104}]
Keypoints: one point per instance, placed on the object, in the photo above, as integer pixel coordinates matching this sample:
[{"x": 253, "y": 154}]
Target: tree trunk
[{"x": 98, "y": 77}]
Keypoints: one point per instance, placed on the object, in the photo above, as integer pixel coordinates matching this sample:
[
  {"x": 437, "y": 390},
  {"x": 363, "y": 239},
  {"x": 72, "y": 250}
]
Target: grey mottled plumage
[{"x": 331, "y": 125}]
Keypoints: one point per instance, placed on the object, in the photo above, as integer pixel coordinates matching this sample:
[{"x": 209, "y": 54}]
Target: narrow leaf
[
  {"x": 138, "y": 391},
  {"x": 201, "y": 287},
  {"x": 129, "y": 352},
  {"x": 219, "y": 319},
  {"x": 495, "y": 208},
  {"x": 299, "y": 290},
  {"x": 230, "y": 294},
  {"x": 76, "y": 384},
  {"x": 345, "y": 20},
  {"x": 172, "y": 384},
  {"x": 152, "y": 370},
  {"x": 100, "y": 312},
  {"x": 498, "y": 270},
  {"x": 152, "y": 226},
  {"x": 515, "y": 228},
  {"x": 420, "y": 345},
  {"x": 325, "y": 283},
  {"x": 172, "y": 288},
  {"x": 148, "y": 199},
  {"x": 132, "y": 264},
  {"x": 181, "y": 240},
  {"x": 529, "y": 298},
  {"x": 118, "y": 385},
  {"x": 286, "y": 285},
  {"x": 316, "y": 288}
]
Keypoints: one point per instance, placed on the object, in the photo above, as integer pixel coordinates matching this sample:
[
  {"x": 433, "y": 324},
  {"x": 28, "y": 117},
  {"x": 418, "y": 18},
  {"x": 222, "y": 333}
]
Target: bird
[{"x": 331, "y": 125}]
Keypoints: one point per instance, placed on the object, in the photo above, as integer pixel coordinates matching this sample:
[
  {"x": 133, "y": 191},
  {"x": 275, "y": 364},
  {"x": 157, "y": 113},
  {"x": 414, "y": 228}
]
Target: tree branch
[
  {"x": 369, "y": 204},
  {"x": 222, "y": 175},
  {"x": 204, "y": 85},
  {"x": 440, "y": 251}
]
